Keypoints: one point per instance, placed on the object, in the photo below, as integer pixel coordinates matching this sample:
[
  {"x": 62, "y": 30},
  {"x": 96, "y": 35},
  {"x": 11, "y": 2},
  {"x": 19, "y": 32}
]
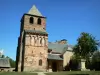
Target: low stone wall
[{"x": 7, "y": 69}]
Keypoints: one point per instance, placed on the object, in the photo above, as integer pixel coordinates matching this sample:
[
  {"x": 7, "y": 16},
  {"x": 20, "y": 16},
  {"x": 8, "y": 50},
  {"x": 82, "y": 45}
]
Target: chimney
[{"x": 63, "y": 41}]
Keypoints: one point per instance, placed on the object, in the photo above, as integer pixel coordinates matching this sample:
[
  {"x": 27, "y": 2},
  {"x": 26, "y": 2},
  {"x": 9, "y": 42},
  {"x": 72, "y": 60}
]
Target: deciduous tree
[{"x": 86, "y": 45}]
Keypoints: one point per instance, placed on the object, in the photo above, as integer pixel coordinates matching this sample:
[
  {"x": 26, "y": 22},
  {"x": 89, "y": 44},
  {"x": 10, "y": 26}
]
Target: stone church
[{"x": 34, "y": 52}]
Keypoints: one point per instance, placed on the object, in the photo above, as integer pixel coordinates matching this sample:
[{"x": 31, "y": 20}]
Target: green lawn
[
  {"x": 75, "y": 73},
  {"x": 55, "y": 73},
  {"x": 16, "y": 73}
]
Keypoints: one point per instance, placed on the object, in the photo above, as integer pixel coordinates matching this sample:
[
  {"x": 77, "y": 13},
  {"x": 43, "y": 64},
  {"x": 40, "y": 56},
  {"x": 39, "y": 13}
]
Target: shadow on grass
[
  {"x": 17, "y": 73},
  {"x": 75, "y": 73},
  {"x": 78, "y": 74}
]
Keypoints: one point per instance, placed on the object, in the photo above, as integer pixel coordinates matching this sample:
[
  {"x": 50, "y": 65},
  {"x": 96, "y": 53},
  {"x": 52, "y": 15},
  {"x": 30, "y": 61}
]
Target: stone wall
[
  {"x": 35, "y": 50},
  {"x": 32, "y": 48},
  {"x": 19, "y": 52},
  {"x": 61, "y": 42},
  {"x": 34, "y": 26},
  {"x": 67, "y": 56}
]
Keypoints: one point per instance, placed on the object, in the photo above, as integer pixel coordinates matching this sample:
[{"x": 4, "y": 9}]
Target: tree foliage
[
  {"x": 96, "y": 60},
  {"x": 12, "y": 62},
  {"x": 86, "y": 45},
  {"x": 73, "y": 64},
  {"x": 3, "y": 56}
]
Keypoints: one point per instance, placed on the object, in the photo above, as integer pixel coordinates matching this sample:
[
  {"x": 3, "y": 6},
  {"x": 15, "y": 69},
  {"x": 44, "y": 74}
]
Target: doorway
[{"x": 54, "y": 66}]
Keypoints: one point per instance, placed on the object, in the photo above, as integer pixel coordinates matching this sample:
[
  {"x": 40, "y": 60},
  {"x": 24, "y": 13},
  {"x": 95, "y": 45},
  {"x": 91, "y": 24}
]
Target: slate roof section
[
  {"x": 34, "y": 11},
  {"x": 56, "y": 47},
  {"x": 60, "y": 48},
  {"x": 4, "y": 62},
  {"x": 54, "y": 57},
  {"x": 36, "y": 31}
]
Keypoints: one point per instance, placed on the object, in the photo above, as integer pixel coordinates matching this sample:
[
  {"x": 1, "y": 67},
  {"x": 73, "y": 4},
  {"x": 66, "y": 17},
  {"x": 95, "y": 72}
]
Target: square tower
[{"x": 32, "y": 50}]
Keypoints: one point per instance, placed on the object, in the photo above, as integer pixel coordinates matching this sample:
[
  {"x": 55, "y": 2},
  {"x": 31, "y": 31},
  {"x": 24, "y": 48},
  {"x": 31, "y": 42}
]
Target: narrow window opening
[
  {"x": 35, "y": 40},
  {"x": 44, "y": 28},
  {"x": 40, "y": 62},
  {"x": 31, "y": 20},
  {"x": 44, "y": 42},
  {"x": 32, "y": 51},
  {"x": 39, "y": 21},
  {"x": 40, "y": 40}
]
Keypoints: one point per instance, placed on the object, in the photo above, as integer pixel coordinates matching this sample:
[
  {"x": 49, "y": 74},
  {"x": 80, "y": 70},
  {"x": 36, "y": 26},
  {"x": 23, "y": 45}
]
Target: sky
[{"x": 66, "y": 19}]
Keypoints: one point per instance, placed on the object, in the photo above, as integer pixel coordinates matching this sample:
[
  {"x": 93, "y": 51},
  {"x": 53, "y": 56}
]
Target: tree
[
  {"x": 86, "y": 45},
  {"x": 72, "y": 65},
  {"x": 96, "y": 60},
  {"x": 3, "y": 56},
  {"x": 12, "y": 62},
  {"x": 73, "y": 62}
]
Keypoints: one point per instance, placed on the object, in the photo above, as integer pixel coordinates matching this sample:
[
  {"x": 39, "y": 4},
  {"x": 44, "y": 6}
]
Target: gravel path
[{"x": 41, "y": 73}]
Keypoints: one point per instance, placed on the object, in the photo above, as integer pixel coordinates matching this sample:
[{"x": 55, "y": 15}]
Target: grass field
[
  {"x": 16, "y": 73},
  {"x": 55, "y": 73},
  {"x": 75, "y": 73}
]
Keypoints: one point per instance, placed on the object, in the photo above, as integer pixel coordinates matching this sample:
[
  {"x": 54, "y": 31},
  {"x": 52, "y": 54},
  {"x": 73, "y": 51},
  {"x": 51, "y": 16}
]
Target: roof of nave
[
  {"x": 4, "y": 62},
  {"x": 60, "y": 48}
]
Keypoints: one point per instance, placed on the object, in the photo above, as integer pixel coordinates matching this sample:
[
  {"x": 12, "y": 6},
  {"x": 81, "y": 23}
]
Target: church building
[{"x": 34, "y": 52}]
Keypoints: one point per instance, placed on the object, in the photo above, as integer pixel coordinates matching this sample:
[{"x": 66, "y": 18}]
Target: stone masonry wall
[
  {"x": 32, "y": 47},
  {"x": 34, "y": 26},
  {"x": 34, "y": 51},
  {"x": 67, "y": 56}
]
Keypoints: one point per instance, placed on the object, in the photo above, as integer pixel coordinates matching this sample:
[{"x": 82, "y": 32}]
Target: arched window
[
  {"x": 32, "y": 51},
  {"x": 31, "y": 20},
  {"x": 40, "y": 40},
  {"x": 35, "y": 40},
  {"x": 40, "y": 62},
  {"x": 44, "y": 42},
  {"x": 39, "y": 21}
]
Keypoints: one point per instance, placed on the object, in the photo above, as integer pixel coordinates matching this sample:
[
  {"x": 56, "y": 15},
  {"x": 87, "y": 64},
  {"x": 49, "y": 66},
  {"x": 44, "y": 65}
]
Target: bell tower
[
  {"x": 33, "y": 20},
  {"x": 32, "y": 43}
]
